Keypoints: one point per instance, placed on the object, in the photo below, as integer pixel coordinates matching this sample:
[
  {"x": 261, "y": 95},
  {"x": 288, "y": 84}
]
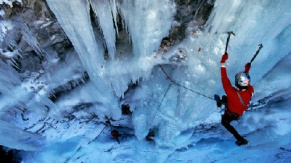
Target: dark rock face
[
  {"x": 42, "y": 24},
  {"x": 9, "y": 156},
  {"x": 187, "y": 11},
  {"x": 32, "y": 19},
  {"x": 34, "y": 29}
]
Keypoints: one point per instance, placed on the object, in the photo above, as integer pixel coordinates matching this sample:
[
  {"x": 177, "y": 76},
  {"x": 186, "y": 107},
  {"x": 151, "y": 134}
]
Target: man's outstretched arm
[{"x": 224, "y": 78}]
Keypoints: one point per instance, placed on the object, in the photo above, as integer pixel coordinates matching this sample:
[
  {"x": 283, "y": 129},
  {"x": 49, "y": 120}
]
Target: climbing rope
[
  {"x": 162, "y": 100},
  {"x": 98, "y": 134},
  {"x": 194, "y": 91},
  {"x": 166, "y": 74},
  {"x": 184, "y": 86},
  {"x": 172, "y": 82}
]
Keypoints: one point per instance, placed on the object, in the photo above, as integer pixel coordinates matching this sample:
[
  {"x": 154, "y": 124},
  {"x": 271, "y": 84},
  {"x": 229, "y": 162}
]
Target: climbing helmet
[{"x": 242, "y": 80}]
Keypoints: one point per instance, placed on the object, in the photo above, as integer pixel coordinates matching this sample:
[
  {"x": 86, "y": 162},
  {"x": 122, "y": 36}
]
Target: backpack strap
[{"x": 241, "y": 100}]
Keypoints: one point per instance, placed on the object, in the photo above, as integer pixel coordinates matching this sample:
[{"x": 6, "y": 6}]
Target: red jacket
[{"x": 234, "y": 103}]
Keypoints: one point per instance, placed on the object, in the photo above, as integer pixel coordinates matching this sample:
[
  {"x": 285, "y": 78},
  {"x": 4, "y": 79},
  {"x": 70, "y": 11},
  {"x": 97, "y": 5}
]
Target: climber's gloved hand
[
  {"x": 247, "y": 67},
  {"x": 224, "y": 57}
]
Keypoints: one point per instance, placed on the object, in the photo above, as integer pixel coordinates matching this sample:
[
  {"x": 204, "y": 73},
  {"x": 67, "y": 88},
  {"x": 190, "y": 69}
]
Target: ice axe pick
[
  {"x": 257, "y": 52},
  {"x": 228, "y": 37}
]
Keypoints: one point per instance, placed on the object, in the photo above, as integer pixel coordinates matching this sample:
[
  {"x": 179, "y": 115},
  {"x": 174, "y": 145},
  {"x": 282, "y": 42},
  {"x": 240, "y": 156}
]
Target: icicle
[
  {"x": 197, "y": 10},
  {"x": 76, "y": 22},
  {"x": 31, "y": 39},
  {"x": 102, "y": 10},
  {"x": 8, "y": 78},
  {"x": 114, "y": 13},
  {"x": 148, "y": 23}
]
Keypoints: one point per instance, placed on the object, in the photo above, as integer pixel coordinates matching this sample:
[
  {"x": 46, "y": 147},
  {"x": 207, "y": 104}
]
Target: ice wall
[
  {"x": 276, "y": 83},
  {"x": 193, "y": 63},
  {"x": 253, "y": 23},
  {"x": 147, "y": 23},
  {"x": 16, "y": 138},
  {"x": 13, "y": 93},
  {"x": 76, "y": 22},
  {"x": 263, "y": 22}
]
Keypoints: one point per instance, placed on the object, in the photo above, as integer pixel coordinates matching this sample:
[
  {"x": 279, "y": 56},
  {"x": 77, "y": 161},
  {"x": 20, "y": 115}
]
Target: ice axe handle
[
  {"x": 227, "y": 41},
  {"x": 260, "y": 47}
]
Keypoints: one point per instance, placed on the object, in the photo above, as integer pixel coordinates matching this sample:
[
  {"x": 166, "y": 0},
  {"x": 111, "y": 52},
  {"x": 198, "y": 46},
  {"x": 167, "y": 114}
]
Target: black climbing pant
[{"x": 225, "y": 121}]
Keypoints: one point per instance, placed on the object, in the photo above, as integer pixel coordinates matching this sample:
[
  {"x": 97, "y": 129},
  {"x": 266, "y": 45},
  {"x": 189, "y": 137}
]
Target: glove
[
  {"x": 247, "y": 67},
  {"x": 224, "y": 58}
]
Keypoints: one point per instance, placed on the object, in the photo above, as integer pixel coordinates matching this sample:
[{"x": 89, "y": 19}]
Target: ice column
[
  {"x": 74, "y": 17},
  {"x": 148, "y": 22},
  {"x": 102, "y": 10}
]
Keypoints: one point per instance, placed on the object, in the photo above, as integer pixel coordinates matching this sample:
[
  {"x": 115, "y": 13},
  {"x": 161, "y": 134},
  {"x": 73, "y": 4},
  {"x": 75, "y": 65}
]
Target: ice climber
[
  {"x": 115, "y": 134},
  {"x": 237, "y": 98}
]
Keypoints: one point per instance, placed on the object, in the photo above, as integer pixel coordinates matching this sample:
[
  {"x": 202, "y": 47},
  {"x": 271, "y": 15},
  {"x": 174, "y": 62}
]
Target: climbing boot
[
  {"x": 218, "y": 101},
  {"x": 241, "y": 142}
]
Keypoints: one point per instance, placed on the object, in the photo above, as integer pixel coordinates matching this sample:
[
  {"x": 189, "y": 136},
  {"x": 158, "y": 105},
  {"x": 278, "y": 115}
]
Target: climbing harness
[
  {"x": 230, "y": 113},
  {"x": 241, "y": 100}
]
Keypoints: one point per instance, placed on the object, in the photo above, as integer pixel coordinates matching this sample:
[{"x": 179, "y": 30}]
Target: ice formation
[{"x": 116, "y": 61}]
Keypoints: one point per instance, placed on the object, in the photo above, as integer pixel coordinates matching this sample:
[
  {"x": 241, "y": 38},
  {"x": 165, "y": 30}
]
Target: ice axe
[
  {"x": 228, "y": 37},
  {"x": 260, "y": 47}
]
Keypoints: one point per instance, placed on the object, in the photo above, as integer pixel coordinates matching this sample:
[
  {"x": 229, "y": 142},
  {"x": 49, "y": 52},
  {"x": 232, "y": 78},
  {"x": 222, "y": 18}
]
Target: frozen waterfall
[{"x": 64, "y": 105}]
